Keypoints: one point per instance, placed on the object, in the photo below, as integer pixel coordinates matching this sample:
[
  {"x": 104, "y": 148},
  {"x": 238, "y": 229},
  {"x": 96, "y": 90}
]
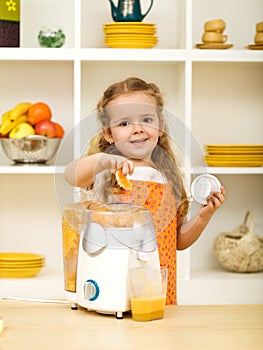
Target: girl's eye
[
  {"x": 147, "y": 120},
  {"x": 124, "y": 123}
]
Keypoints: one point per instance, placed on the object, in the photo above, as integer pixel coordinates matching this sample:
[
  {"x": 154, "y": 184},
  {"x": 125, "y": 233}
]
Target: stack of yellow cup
[
  {"x": 214, "y": 31},
  {"x": 258, "y": 39},
  {"x": 213, "y": 36}
]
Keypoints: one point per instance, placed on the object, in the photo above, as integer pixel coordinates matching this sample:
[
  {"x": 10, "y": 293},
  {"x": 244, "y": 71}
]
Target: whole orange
[
  {"x": 59, "y": 130},
  {"x": 37, "y": 112}
]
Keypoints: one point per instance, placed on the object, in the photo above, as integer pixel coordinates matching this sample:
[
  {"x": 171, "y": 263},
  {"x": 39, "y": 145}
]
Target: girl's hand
[
  {"x": 189, "y": 231},
  {"x": 213, "y": 203},
  {"x": 127, "y": 167},
  {"x": 114, "y": 162}
]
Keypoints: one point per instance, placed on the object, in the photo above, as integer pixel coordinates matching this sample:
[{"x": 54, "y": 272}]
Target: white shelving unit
[{"x": 216, "y": 93}]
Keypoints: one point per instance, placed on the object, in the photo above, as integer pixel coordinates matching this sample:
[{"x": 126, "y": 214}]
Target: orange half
[{"x": 122, "y": 180}]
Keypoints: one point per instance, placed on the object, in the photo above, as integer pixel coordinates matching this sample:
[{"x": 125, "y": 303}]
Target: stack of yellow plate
[
  {"x": 234, "y": 155},
  {"x": 20, "y": 265},
  {"x": 130, "y": 35}
]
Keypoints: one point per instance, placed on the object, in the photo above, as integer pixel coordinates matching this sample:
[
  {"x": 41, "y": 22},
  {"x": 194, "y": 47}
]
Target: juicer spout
[{"x": 143, "y": 257}]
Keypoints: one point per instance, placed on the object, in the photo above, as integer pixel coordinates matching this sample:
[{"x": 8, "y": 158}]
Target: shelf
[
  {"x": 41, "y": 54},
  {"x": 92, "y": 54},
  {"x": 221, "y": 287},
  {"x": 159, "y": 55},
  {"x": 221, "y": 274},
  {"x": 48, "y": 284},
  {"x": 52, "y": 169},
  {"x": 228, "y": 170},
  {"x": 152, "y": 55},
  {"x": 31, "y": 169},
  {"x": 230, "y": 55}
]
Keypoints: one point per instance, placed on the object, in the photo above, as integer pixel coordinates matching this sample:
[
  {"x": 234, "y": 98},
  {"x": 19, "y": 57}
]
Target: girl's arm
[
  {"x": 81, "y": 172},
  {"x": 189, "y": 231}
]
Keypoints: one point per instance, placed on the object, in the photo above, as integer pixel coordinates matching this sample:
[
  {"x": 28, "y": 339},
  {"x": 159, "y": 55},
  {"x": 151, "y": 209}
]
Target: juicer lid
[{"x": 140, "y": 238}]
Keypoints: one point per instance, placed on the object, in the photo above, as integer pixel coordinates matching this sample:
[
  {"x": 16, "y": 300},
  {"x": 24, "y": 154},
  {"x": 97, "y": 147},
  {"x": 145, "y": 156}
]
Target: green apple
[{"x": 21, "y": 130}]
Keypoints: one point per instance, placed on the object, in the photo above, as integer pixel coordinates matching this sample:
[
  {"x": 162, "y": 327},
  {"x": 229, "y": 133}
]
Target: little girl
[{"x": 134, "y": 139}]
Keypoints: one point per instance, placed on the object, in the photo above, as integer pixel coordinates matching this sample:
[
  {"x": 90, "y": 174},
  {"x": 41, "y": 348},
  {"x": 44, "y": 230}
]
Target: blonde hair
[{"x": 162, "y": 157}]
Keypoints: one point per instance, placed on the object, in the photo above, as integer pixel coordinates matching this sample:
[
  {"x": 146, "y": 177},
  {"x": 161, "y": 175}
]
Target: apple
[
  {"x": 46, "y": 128},
  {"x": 4, "y": 136},
  {"x": 21, "y": 130}
]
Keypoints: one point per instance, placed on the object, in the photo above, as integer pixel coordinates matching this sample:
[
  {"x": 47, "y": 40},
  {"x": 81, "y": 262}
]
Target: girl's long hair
[{"x": 162, "y": 156}]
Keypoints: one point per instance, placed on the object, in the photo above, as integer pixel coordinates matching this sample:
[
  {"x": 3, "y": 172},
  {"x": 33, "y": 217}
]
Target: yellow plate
[
  {"x": 234, "y": 145},
  {"x": 126, "y": 45},
  {"x": 128, "y": 42},
  {"x": 18, "y": 264},
  {"x": 234, "y": 148},
  {"x": 235, "y": 152},
  {"x": 19, "y": 273},
  {"x": 128, "y": 24},
  {"x": 233, "y": 157},
  {"x": 237, "y": 156},
  {"x": 21, "y": 257},
  {"x": 232, "y": 164},
  {"x": 130, "y": 37},
  {"x": 146, "y": 31},
  {"x": 214, "y": 46},
  {"x": 130, "y": 31},
  {"x": 255, "y": 47},
  {"x": 221, "y": 163}
]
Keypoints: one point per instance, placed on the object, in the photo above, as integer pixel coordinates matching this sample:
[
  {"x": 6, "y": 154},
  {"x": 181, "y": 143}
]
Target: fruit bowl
[{"x": 30, "y": 149}]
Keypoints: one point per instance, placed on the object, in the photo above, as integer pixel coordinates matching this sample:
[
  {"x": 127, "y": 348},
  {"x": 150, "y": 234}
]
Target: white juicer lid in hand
[{"x": 203, "y": 186}]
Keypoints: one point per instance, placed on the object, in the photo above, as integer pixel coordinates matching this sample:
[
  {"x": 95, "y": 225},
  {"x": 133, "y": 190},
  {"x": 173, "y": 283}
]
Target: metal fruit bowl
[{"x": 30, "y": 149}]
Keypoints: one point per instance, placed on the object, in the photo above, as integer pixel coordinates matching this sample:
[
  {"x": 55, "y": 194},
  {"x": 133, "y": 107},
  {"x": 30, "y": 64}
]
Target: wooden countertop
[{"x": 31, "y": 325}]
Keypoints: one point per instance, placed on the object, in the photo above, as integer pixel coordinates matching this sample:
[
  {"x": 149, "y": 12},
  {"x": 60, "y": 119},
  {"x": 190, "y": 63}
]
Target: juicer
[{"x": 111, "y": 240}]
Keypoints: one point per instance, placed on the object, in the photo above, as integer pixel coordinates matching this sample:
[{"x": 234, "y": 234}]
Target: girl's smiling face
[{"x": 134, "y": 125}]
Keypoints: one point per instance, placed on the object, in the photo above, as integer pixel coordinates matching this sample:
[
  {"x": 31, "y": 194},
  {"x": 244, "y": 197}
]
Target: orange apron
[{"x": 159, "y": 199}]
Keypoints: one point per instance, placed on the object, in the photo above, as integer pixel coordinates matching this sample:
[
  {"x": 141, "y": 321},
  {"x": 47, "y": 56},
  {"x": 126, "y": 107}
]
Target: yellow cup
[
  {"x": 259, "y": 27},
  {"x": 148, "y": 293},
  {"x": 215, "y": 25},
  {"x": 258, "y": 38},
  {"x": 213, "y": 37}
]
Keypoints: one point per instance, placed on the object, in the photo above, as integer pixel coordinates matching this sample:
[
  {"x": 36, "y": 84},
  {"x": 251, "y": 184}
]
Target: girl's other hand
[{"x": 213, "y": 203}]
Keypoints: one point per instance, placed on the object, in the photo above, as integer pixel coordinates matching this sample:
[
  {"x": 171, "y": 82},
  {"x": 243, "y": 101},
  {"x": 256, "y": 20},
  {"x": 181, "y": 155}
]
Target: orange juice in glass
[{"x": 148, "y": 293}]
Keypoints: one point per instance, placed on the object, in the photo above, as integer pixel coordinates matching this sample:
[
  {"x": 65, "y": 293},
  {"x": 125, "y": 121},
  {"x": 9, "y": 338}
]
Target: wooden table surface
[{"x": 51, "y": 326}]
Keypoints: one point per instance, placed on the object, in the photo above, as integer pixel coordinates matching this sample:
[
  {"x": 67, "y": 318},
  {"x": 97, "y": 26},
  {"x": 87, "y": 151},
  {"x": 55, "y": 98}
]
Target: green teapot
[{"x": 128, "y": 11}]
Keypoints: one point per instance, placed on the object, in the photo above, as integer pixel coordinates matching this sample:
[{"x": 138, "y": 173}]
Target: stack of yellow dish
[
  {"x": 20, "y": 265},
  {"x": 130, "y": 35},
  {"x": 234, "y": 155}
]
